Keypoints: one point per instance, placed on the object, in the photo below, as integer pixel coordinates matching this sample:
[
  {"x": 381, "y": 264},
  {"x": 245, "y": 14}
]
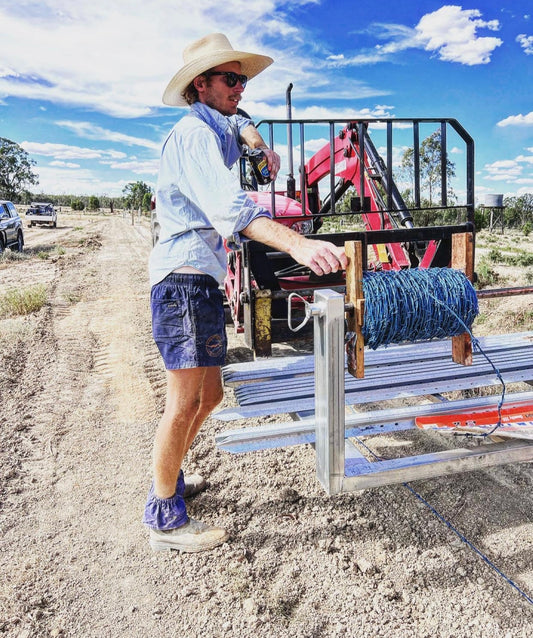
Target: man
[{"x": 199, "y": 204}]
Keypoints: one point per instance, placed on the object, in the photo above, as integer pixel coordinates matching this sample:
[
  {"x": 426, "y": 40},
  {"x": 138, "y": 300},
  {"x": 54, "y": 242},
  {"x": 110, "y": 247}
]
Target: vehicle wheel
[
  {"x": 20, "y": 242},
  {"x": 54, "y": 225},
  {"x": 2, "y": 246}
]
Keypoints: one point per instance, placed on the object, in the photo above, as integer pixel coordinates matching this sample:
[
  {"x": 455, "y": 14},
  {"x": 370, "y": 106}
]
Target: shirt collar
[
  {"x": 225, "y": 128},
  {"x": 213, "y": 118}
]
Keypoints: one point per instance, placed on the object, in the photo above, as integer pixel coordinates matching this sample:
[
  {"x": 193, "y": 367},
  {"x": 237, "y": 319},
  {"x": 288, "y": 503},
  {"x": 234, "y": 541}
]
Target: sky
[{"x": 81, "y": 82}]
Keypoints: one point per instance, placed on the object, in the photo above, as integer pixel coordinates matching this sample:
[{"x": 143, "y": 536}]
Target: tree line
[{"x": 17, "y": 176}]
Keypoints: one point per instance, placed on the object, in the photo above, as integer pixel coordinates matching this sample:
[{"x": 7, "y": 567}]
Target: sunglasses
[{"x": 230, "y": 77}]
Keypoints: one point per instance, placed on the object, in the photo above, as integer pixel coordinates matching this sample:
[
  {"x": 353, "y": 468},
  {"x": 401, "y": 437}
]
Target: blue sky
[{"x": 81, "y": 82}]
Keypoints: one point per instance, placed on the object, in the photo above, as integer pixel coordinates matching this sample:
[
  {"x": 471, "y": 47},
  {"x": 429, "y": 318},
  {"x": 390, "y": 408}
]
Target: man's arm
[
  {"x": 322, "y": 257},
  {"x": 252, "y": 138}
]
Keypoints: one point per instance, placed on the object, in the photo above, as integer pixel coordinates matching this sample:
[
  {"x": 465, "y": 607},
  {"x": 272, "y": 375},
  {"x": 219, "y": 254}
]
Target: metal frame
[
  {"x": 319, "y": 383},
  {"x": 341, "y": 467},
  {"x": 361, "y": 125}
]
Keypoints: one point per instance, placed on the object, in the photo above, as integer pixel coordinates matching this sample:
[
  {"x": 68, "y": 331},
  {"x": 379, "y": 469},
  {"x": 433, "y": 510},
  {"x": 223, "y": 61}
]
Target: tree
[
  {"x": 147, "y": 198},
  {"x": 94, "y": 203},
  {"x": 15, "y": 170},
  {"x": 134, "y": 193},
  {"x": 518, "y": 211},
  {"x": 430, "y": 166}
]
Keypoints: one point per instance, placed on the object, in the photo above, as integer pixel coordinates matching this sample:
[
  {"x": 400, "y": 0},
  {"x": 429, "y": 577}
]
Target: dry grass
[{"x": 24, "y": 301}]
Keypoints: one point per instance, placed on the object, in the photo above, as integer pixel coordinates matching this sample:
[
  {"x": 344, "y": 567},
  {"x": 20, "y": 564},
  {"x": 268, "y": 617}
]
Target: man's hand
[
  {"x": 322, "y": 257},
  {"x": 252, "y": 138},
  {"x": 273, "y": 161}
]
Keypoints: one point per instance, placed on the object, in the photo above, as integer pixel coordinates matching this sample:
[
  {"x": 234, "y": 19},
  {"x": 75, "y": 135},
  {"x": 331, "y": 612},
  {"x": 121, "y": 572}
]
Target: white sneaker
[{"x": 194, "y": 536}]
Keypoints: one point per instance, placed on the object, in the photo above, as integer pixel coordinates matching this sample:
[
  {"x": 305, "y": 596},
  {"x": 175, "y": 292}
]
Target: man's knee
[
  {"x": 216, "y": 397},
  {"x": 179, "y": 409},
  {"x": 210, "y": 399}
]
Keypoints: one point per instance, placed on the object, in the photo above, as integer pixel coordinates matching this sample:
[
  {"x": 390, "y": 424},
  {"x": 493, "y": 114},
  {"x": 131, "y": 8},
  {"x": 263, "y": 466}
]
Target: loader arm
[{"x": 360, "y": 165}]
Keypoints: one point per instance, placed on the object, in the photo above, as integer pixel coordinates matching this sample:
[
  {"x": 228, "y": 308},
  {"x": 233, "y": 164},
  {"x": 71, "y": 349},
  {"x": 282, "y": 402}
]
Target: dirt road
[{"x": 81, "y": 387}]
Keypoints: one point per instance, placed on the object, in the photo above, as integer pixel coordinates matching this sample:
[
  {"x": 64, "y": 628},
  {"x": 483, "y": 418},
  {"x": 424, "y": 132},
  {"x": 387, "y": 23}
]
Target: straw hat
[{"x": 204, "y": 54}]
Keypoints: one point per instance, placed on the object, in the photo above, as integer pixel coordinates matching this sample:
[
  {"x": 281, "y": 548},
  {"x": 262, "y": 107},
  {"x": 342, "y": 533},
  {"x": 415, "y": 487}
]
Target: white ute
[{"x": 41, "y": 213}]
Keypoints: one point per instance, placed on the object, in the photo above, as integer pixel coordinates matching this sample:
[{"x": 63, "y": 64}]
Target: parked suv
[{"x": 11, "y": 233}]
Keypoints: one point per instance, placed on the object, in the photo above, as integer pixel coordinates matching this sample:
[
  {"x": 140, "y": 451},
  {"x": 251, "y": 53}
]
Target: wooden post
[
  {"x": 463, "y": 259},
  {"x": 355, "y": 295}
]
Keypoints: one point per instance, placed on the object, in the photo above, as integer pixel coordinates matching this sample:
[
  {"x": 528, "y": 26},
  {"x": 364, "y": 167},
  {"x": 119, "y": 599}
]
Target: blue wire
[
  {"x": 422, "y": 304},
  {"x": 399, "y": 305},
  {"x": 453, "y": 529}
]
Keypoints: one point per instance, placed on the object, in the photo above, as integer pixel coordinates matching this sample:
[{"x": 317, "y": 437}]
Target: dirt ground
[{"x": 81, "y": 388}]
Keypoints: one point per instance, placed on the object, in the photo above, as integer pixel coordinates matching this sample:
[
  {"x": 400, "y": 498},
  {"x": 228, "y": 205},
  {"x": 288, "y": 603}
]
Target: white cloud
[
  {"x": 263, "y": 110},
  {"x": 81, "y": 181},
  {"x": 116, "y": 58},
  {"x": 92, "y": 132},
  {"x": 515, "y": 170},
  {"x": 452, "y": 32},
  {"x": 62, "y": 164},
  {"x": 66, "y": 152},
  {"x": 148, "y": 167},
  {"x": 526, "y": 42},
  {"x": 518, "y": 120}
]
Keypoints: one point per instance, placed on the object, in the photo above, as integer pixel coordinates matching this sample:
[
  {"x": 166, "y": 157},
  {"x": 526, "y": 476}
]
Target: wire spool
[{"x": 416, "y": 304}]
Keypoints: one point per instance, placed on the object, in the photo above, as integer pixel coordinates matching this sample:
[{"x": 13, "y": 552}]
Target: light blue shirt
[{"x": 199, "y": 201}]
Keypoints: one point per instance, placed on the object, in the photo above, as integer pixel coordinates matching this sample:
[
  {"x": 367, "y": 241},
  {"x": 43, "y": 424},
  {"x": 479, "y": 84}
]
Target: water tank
[{"x": 494, "y": 201}]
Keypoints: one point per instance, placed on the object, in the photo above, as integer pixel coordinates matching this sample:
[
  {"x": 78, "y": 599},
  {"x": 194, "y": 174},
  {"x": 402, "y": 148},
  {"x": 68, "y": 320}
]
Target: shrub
[
  {"x": 486, "y": 275},
  {"x": 22, "y": 301},
  {"x": 523, "y": 258},
  {"x": 94, "y": 203}
]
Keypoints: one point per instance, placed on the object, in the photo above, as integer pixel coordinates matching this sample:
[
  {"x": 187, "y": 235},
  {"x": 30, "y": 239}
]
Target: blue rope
[{"x": 400, "y": 305}]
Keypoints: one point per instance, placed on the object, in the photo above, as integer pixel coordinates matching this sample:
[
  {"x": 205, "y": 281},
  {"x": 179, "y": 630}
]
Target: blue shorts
[{"x": 188, "y": 322}]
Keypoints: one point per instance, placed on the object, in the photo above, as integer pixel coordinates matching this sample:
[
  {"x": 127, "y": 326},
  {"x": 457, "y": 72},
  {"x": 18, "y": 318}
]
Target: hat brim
[{"x": 251, "y": 65}]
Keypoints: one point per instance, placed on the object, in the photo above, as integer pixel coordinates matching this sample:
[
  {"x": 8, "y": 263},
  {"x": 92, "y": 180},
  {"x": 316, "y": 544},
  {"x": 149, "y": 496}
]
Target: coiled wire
[{"x": 416, "y": 304}]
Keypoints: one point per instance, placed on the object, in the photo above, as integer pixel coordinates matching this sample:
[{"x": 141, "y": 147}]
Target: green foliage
[
  {"x": 77, "y": 204},
  {"x": 518, "y": 211},
  {"x": 495, "y": 255},
  {"x": 526, "y": 228},
  {"x": 134, "y": 193},
  {"x": 522, "y": 258},
  {"x": 24, "y": 301},
  {"x": 94, "y": 203},
  {"x": 147, "y": 198},
  {"x": 15, "y": 170},
  {"x": 430, "y": 168},
  {"x": 486, "y": 275},
  {"x": 479, "y": 219}
]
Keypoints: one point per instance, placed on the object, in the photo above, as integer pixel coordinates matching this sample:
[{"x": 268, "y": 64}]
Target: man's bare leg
[{"x": 192, "y": 394}]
